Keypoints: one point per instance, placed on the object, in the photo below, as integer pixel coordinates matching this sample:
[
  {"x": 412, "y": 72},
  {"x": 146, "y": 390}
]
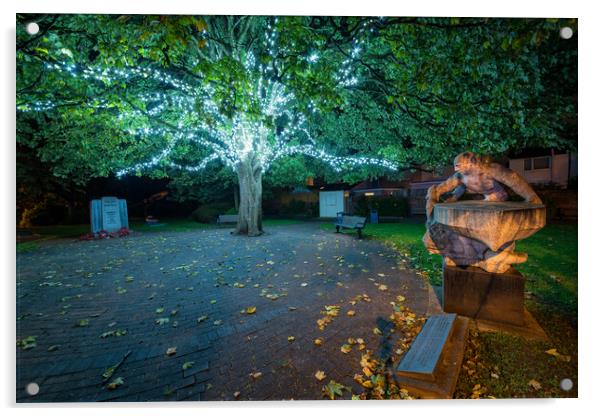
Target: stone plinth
[
  {"x": 494, "y": 300},
  {"x": 492, "y": 223},
  {"x": 477, "y": 294}
]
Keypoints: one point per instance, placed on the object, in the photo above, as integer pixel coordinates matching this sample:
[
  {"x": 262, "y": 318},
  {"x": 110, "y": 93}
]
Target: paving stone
[{"x": 225, "y": 354}]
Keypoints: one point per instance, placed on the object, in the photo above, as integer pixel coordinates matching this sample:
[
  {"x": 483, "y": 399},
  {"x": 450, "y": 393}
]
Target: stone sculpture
[{"x": 481, "y": 233}]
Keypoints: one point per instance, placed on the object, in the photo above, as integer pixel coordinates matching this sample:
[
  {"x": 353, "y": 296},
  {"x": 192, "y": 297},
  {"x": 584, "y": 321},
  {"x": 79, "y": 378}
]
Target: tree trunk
[
  {"x": 236, "y": 197},
  {"x": 249, "y": 210}
]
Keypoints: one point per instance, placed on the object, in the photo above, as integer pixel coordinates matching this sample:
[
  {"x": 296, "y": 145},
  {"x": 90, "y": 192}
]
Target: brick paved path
[{"x": 76, "y": 297}]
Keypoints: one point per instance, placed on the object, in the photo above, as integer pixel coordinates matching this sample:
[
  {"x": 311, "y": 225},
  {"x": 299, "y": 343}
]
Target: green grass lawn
[{"x": 501, "y": 365}]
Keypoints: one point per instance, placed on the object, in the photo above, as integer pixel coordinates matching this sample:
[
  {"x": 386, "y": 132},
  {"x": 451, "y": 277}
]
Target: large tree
[{"x": 223, "y": 99}]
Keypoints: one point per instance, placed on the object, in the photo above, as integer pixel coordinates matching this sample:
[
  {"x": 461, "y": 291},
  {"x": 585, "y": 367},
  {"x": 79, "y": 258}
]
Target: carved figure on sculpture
[{"x": 475, "y": 175}]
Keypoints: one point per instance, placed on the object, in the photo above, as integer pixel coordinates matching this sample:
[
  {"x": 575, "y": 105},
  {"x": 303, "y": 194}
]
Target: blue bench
[{"x": 350, "y": 221}]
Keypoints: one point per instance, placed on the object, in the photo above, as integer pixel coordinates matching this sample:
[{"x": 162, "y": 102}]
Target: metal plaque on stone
[{"x": 425, "y": 352}]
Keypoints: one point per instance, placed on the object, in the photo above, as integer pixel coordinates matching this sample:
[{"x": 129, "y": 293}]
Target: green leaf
[{"x": 333, "y": 389}]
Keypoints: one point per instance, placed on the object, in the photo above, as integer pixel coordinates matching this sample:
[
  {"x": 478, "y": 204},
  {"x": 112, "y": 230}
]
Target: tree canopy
[{"x": 105, "y": 94}]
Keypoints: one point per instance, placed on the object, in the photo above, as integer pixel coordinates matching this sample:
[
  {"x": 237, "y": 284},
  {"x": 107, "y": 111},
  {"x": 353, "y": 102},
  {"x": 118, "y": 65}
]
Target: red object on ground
[{"x": 103, "y": 234}]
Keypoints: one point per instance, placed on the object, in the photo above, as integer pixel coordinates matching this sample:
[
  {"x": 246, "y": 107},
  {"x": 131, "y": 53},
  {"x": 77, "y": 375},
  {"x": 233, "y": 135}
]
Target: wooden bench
[
  {"x": 227, "y": 219},
  {"x": 350, "y": 221}
]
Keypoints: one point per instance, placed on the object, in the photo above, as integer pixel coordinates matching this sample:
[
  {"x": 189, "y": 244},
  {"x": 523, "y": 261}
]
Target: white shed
[{"x": 331, "y": 202}]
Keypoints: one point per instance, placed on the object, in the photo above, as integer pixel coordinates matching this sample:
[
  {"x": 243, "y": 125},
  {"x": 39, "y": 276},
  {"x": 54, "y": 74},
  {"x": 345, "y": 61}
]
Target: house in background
[
  {"x": 540, "y": 167},
  {"x": 545, "y": 167},
  {"x": 419, "y": 184},
  {"x": 380, "y": 187}
]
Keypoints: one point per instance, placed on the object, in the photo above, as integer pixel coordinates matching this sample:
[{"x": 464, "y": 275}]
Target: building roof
[{"x": 380, "y": 183}]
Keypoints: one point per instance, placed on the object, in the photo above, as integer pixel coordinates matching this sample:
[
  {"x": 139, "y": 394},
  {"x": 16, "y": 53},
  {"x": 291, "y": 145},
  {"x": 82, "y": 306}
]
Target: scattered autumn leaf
[
  {"x": 556, "y": 354},
  {"x": 27, "y": 342},
  {"x": 171, "y": 351},
  {"x": 291, "y": 339},
  {"x": 535, "y": 384},
  {"x": 346, "y": 348},
  {"x": 251, "y": 310},
  {"x": 318, "y": 341},
  {"x": 187, "y": 365},
  {"x": 116, "y": 383},
  {"x": 320, "y": 375},
  {"x": 256, "y": 375},
  {"x": 333, "y": 389},
  {"x": 351, "y": 313}
]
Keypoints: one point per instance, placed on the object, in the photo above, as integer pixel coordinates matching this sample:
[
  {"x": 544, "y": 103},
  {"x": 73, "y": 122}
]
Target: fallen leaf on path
[
  {"x": 291, "y": 339},
  {"x": 333, "y": 389},
  {"x": 251, "y": 310},
  {"x": 171, "y": 351},
  {"x": 318, "y": 341},
  {"x": 27, "y": 342},
  {"x": 187, "y": 365},
  {"x": 351, "y": 313},
  {"x": 320, "y": 375},
  {"x": 535, "y": 384},
  {"x": 346, "y": 348},
  {"x": 116, "y": 383}
]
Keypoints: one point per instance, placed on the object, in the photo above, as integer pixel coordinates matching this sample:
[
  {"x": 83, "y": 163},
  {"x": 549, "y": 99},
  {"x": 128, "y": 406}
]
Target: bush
[
  {"x": 208, "y": 213},
  {"x": 297, "y": 207},
  {"x": 386, "y": 206}
]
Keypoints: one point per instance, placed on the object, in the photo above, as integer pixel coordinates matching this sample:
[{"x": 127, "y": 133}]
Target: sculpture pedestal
[{"x": 494, "y": 300}]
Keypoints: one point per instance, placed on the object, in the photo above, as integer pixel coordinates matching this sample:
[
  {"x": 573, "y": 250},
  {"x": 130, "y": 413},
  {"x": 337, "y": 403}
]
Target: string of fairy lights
[{"x": 278, "y": 131}]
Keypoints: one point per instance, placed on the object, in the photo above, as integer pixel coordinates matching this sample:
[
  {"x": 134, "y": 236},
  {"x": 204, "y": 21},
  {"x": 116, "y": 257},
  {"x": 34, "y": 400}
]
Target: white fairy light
[{"x": 185, "y": 113}]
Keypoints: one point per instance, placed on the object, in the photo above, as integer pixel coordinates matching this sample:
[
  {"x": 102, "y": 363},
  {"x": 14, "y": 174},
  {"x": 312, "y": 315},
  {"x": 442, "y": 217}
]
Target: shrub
[
  {"x": 297, "y": 207},
  {"x": 386, "y": 206},
  {"x": 208, "y": 213}
]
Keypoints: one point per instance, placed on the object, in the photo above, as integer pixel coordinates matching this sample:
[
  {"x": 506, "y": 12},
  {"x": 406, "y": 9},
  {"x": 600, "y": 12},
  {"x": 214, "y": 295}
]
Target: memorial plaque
[
  {"x": 111, "y": 220},
  {"x": 431, "y": 367},
  {"x": 424, "y": 354}
]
